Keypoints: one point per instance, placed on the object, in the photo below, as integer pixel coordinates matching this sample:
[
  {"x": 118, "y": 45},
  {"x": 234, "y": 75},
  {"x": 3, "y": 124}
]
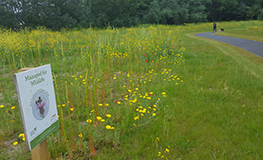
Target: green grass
[
  {"x": 214, "y": 114},
  {"x": 255, "y": 34},
  {"x": 253, "y": 31}
]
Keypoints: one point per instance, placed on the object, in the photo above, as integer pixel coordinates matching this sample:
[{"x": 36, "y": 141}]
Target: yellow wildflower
[
  {"x": 89, "y": 120},
  {"x": 15, "y": 143},
  {"x": 21, "y": 135},
  {"x": 2, "y": 106},
  {"x": 13, "y": 107},
  {"x": 99, "y": 118},
  {"x": 154, "y": 114},
  {"x": 108, "y": 115},
  {"x": 135, "y": 118},
  {"x": 108, "y": 127},
  {"x": 80, "y": 135}
]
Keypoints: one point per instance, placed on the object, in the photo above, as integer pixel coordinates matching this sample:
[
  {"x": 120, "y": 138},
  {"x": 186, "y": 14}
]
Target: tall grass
[
  {"x": 146, "y": 92},
  {"x": 104, "y": 80}
]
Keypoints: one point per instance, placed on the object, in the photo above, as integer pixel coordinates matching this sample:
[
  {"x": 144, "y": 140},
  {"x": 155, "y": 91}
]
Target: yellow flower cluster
[
  {"x": 80, "y": 135},
  {"x": 88, "y": 120},
  {"x": 22, "y": 137},
  {"x": 109, "y": 127},
  {"x": 165, "y": 152}
]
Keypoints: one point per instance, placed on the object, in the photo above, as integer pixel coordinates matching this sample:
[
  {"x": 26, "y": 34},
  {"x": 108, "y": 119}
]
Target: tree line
[{"x": 57, "y": 14}]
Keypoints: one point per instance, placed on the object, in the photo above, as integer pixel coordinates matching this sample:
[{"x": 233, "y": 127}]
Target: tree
[
  {"x": 254, "y": 11},
  {"x": 222, "y": 10},
  {"x": 166, "y": 12},
  {"x": 196, "y": 10},
  {"x": 7, "y": 18},
  {"x": 9, "y": 11}
]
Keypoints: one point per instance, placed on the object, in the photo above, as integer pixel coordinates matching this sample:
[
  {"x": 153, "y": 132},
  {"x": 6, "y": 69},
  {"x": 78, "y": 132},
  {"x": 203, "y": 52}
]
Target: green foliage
[
  {"x": 57, "y": 14},
  {"x": 7, "y": 18}
]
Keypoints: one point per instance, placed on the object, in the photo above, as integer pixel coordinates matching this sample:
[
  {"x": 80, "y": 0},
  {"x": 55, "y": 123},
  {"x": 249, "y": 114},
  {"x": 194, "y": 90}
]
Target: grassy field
[
  {"x": 250, "y": 32},
  {"x": 151, "y": 92}
]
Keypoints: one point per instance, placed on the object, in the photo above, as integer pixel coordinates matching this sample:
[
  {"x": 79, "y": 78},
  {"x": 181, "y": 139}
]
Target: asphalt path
[{"x": 249, "y": 45}]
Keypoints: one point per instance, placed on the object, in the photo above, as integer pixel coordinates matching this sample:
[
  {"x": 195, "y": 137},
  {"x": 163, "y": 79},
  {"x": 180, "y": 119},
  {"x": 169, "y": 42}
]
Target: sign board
[{"x": 37, "y": 104}]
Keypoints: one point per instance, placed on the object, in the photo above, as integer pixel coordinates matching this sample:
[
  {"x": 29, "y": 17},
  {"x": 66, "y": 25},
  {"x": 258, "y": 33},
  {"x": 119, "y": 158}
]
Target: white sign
[{"x": 37, "y": 104}]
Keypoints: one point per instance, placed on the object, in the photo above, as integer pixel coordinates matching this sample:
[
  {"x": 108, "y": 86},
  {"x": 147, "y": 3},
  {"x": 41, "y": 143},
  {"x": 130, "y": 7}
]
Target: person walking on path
[{"x": 214, "y": 27}]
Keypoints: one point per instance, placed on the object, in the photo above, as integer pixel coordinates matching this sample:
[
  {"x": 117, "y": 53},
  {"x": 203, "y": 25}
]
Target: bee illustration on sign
[{"x": 40, "y": 106}]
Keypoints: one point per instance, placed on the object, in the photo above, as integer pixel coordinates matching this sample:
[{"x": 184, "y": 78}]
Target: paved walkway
[{"x": 249, "y": 45}]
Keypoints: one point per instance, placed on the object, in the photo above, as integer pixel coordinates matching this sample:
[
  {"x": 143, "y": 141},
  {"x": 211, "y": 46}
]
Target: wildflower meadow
[{"x": 148, "y": 92}]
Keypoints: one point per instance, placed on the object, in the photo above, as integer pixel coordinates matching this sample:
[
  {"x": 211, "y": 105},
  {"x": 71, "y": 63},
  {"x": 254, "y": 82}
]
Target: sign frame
[{"x": 37, "y": 104}]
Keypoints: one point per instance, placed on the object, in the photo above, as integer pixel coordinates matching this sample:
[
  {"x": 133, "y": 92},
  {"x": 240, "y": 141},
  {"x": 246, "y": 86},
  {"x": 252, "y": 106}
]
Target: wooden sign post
[
  {"x": 38, "y": 109},
  {"x": 40, "y": 152}
]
